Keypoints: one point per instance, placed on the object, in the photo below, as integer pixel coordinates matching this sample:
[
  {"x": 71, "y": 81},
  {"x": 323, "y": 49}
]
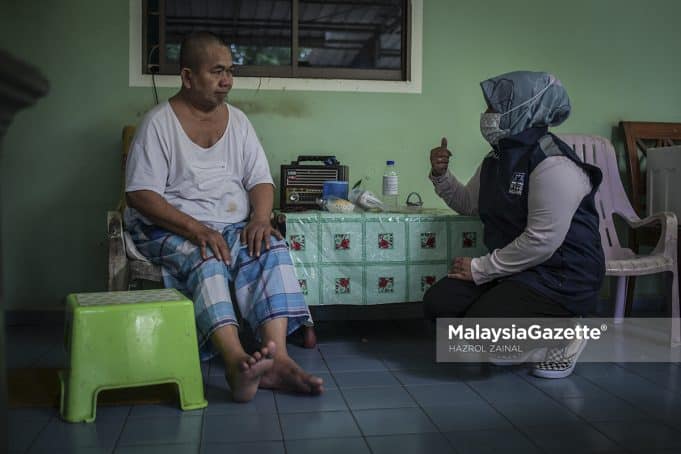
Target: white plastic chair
[{"x": 622, "y": 262}]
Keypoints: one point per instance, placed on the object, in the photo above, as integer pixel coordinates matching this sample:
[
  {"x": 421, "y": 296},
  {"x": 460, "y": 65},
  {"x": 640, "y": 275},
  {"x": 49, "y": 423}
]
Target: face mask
[{"x": 489, "y": 127}]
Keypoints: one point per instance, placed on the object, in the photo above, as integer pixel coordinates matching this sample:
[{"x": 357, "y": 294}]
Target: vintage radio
[{"x": 301, "y": 184}]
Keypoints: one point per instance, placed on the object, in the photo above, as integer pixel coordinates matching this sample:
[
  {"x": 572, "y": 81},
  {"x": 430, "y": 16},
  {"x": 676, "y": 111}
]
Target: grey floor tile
[
  {"x": 220, "y": 399},
  {"x": 572, "y": 386},
  {"x": 656, "y": 400},
  {"x": 238, "y": 427},
  {"x": 506, "y": 388},
  {"x": 424, "y": 443},
  {"x": 638, "y": 392},
  {"x": 259, "y": 447},
  {"x": 627, "y": 404},
  {"x": 354, "y": 445},
  {"x": 665, "y": 409},
  {"x": 650, "y": 402},
  {"x": 491, "y": 442},
  {"x": 622, "y": 382},
  {"x": 667, "y": 375},
  {"x": 111, "y": 414},
  {"x": 649, "y": 450},
  {"x": 479, "y": 371},
  {"x": 378, "y": 397},
  {"x": 43, "y": 449},
  {"x": 326, "y": 424},
  {"x": 476, "y": 416},
  {"x": 412, "y": 347},
  {"x": 161, "y": 429},
  {"x": 62, "y": 435},
  {"x": 603, "y": 409},
  {"x": 536, "y": 412},
  {"x": 365, "y": 379},
  {"x": 155, "y": 410},
  {"x": 393, "y": 421},
  {"x": 399, "y": 361},
  {"x": 353, "y": 363},
  {"x": 444, "y": 394},
  {"x": 22, "y": 433},
  {"x": 359, "y": 349},
  {"x": 641, "y": 434},
  {"x": 599, "y": 370},
  {"x": 570, "y": 438},
  {"x": 330, "y": 400},
  {"x": 429, "y": 376},
  {"x": 191, "y": 448}
]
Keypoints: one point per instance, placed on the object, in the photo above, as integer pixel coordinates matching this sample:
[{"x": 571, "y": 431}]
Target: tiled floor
[{"x": 384, "y": 394}]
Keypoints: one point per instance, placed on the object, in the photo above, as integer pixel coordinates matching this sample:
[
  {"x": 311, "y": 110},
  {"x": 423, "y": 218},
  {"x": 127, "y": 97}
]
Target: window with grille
[{"x": 314, "y": 39}]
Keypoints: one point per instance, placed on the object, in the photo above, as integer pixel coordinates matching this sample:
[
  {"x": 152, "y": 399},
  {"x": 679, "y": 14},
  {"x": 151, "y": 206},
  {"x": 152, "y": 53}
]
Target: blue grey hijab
[{"x": 527, "y": 99}]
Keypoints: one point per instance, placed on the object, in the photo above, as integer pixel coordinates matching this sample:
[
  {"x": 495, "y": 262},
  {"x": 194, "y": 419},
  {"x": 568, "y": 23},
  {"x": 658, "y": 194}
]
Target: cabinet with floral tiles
[{"x": 376, "y": 258}]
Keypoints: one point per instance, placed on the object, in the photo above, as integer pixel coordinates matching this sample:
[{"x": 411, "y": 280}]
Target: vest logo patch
[{"x": 517, "y": 183}]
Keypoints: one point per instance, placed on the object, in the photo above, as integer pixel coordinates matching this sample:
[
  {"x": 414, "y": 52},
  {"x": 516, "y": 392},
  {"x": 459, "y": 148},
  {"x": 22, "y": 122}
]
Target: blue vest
[{"x": 573, "y": 275}]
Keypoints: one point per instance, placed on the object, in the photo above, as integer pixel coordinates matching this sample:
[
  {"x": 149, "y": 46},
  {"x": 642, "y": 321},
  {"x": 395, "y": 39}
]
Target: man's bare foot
[
  {"x": 287, "y": 375},
  {"x": 245, "y": 375}
]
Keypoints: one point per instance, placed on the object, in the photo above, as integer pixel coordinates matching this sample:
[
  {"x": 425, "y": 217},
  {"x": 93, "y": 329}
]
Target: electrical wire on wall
[
  {"x": 153, "y": 82},
  {"x": 153, "y": 69}
]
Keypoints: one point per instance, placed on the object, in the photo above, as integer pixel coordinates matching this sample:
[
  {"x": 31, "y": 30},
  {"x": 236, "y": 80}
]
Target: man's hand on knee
[
  {"x": 256, "y": 232},
  {"x": 205, "y": 237}
]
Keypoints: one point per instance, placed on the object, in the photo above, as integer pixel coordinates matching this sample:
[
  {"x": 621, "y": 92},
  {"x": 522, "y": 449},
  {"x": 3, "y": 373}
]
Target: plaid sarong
[{"x": 266, "y": 287}]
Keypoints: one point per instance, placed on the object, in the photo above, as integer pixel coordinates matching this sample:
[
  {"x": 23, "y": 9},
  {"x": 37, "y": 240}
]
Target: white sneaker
[{"x": 560, "y": 361}]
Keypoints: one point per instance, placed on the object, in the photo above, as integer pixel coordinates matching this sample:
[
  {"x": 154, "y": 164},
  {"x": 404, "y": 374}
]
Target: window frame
[{"x": 411, "y": 85}]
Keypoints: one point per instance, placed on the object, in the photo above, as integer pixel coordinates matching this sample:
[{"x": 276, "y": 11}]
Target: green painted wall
[{"x": 619, "y": 59}]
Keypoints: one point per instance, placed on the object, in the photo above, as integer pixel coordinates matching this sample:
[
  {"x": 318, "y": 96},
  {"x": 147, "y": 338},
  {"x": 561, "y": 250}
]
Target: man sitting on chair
[{"x": 195, "y": 172}]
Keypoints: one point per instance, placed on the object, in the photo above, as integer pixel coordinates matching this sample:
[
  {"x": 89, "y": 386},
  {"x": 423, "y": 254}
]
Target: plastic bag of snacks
[
  {"x": 334, "y": 204},
  {"x": 366, "y": 199}
]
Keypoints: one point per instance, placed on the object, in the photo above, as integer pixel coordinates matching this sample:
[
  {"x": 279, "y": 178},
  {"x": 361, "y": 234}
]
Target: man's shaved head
[{"x": 193, "y": 49}]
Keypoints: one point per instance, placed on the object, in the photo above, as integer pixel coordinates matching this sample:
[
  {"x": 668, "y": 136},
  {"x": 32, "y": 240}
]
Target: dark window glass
[
  {"x": 350, "y": 34},
  {"x": 350, "y": 39}
]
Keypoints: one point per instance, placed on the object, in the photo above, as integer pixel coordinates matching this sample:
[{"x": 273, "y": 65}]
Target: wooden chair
[
  {"x": 639, "y": 136},
  {"x": 128, "y": 269}
]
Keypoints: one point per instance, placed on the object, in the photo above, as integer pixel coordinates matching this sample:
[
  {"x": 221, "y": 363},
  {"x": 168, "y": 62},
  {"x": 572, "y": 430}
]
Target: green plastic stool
[{"x": 125, "y": 339}]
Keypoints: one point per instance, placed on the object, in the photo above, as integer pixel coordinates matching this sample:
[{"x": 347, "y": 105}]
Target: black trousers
[
  {"x": 506, "y": 299},
  {"x": 456, "y": 298}
]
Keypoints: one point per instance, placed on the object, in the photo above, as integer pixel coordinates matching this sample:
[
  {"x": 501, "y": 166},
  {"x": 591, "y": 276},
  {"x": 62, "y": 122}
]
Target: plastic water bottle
[{"x": 390, "y": 186}]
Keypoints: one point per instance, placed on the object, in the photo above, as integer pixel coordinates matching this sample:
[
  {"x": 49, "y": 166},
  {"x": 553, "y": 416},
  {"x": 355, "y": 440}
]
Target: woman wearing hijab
[{"x": 535, "y": 198}]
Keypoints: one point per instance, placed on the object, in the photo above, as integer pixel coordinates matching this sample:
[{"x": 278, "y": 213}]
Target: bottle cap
[{"x": 390, "y": 163}]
